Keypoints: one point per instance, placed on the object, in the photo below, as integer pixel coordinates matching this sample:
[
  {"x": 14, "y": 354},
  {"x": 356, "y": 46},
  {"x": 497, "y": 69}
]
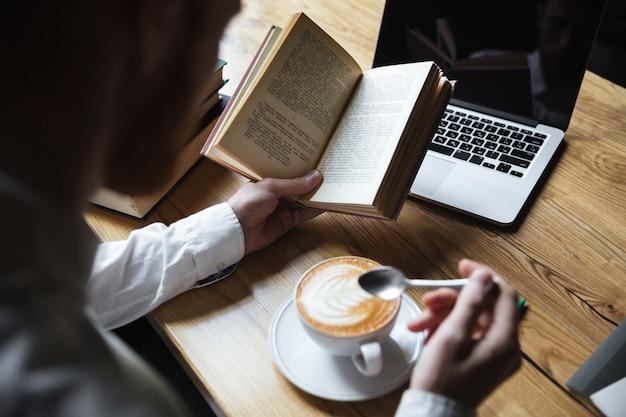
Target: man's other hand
[
  {"x": 265, "y": 209},
  {"x": 472, "y": 344}
]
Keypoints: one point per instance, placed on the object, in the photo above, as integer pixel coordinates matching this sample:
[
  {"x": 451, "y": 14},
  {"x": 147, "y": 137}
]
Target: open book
[{"x": 305, "y": 103}]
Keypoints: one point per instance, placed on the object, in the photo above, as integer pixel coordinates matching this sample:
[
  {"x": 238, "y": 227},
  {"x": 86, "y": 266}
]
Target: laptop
[{"x": 518, "y": 68}]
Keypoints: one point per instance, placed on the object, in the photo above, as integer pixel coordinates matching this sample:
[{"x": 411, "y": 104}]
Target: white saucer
[{"x": 319, "y": 373}]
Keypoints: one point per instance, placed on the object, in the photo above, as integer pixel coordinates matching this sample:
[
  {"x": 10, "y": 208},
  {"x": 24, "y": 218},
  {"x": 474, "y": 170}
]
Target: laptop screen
[{"x": 523, "y": 58}]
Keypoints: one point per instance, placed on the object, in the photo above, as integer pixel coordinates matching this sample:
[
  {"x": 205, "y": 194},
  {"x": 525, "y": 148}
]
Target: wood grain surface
[{"x": 567, "y": 257}]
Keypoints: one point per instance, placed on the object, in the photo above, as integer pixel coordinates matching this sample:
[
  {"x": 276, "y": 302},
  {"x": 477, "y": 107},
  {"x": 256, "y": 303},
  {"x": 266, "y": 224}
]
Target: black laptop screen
[{"x": 521, "y": 57}]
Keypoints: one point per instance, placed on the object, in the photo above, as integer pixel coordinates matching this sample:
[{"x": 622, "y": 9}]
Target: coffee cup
[{"x": 341, "y": 317}]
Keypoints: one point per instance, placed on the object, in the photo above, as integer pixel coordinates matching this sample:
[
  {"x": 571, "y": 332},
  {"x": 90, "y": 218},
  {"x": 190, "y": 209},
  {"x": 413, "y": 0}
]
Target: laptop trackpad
[{"x": 431, "y": 175}]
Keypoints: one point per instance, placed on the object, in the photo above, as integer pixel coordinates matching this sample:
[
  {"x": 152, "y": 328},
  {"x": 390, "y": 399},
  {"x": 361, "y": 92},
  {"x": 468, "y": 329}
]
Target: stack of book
[{"x": 210, "y": 109}]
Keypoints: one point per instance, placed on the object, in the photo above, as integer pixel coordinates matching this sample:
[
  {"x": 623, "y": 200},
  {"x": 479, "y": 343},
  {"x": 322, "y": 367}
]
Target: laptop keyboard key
[
  {"x": 504, "y": 168},
  {"x": 440, "y": 148},
  {"x": 453, "y": 143},
  {"x": 471, "y": 116},
  {"x": 440, "y": 131},
  {"x": 464, "y": 138},
  {"x": 465, "y": 147},
  {"x": 475, "y": 159},
  {"x": 439, "y": 139},
  {"x": 499, "y": 124},
  {"x": 493, "y": 137},
  {"x": 443, "y": 123},
  {"x": 533, "y": 140},
  {"x": 516, "y": 174},
  {"x": 449, "y": 111},
  {"x": 513, "y": 128},
  {"x": 461, "y": 155},
  {"x": 479, "y": 133},
  {"x": 488, "y": 165},
  {"x": 478, "y": 142},
  {"x": 460, "y": 113},
  {"x": 491, "y": 145},
  {"x": 540, "y": 135},
  {"x": 453, "y": 118},
  {"x": 454, "y": 126},
  {"x": 467, "y": 130},
  {"x": 466, "y": 122},
  {"x": 506, "y": 141},
  {"x": 452, "y": 134},
  {"x": 532, "y": 148},
  {"x": 504, "y": 149},
  {"x": 478, "y": 125},
  {"x": 479, "y": 151},
  {"x": 515, "y": 161},
  {"x": 504, "y": 132},
  {"x": 523, "y": 154},
  {"x": 526, "y": 132},
  {"x": 491, "y": 129},
  {"x": 517, "y": 136},
  {"x": 519, "y": 145},
  {"x": 492, "y": 155}
]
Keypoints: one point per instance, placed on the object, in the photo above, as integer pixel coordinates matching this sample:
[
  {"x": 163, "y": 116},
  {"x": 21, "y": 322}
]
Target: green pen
[{"x": 522, "y": 306}]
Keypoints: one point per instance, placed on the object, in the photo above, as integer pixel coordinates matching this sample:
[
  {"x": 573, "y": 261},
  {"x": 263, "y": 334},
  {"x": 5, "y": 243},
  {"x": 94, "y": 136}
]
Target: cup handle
[{"x": 370, "y": 361}]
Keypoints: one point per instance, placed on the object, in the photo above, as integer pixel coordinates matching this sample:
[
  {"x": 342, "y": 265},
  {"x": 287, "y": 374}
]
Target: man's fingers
[
  {"x": 439, "y": 302},
  {"x": 500, "y": 342},
  {"x": 422, "y": 322},
  {"x": 505, "y": 317},
  {"x": 468, "y": 266},
  {"x": 287, "y": 217},
  {"x": 428, "y": 320},
  {"x": 471, "y": 302},
  {"x": 292, "y": 187},
  {"x": 482, "y": 324},
  {"x": 442, "y": 298},
  {"x": 301, "y": 215}
]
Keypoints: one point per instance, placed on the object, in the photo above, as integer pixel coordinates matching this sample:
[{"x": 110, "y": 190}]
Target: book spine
[{"x": 433, "y": 129}]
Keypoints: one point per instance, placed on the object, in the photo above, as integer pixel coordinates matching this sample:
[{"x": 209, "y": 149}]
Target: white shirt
[
  {"x": 46, "y": 290},
  {"x": 132, "y": 277}
]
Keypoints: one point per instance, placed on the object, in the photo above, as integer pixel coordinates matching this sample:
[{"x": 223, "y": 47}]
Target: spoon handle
[{"x": 436, "y": 283}]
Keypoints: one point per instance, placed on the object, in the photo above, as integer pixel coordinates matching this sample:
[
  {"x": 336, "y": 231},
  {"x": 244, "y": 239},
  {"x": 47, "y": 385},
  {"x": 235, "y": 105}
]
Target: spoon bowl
[{"x": 389, "y": 283}]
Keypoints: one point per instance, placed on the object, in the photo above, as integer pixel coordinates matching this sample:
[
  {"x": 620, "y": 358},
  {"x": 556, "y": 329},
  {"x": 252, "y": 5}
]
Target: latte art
[
  {"x": 334, "y": 299},
  {"x": 330, "y": 299}
]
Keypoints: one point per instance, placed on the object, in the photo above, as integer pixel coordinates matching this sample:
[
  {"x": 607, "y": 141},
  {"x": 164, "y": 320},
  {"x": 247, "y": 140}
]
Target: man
[{"x": 94, "y": 93}]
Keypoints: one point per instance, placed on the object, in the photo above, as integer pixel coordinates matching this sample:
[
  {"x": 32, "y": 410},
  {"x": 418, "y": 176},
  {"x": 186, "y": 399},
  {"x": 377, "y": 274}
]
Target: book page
[
  {"x": 285, "y": 122},
  {"x": 249, "y": 76},
  {"x": 364, "y": 142}
]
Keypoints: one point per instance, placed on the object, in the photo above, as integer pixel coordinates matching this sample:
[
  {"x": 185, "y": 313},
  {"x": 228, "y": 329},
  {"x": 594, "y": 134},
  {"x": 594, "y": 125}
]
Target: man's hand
[
  {"x": 265, "y": 211},
  {"x": 472, "y": 345}
]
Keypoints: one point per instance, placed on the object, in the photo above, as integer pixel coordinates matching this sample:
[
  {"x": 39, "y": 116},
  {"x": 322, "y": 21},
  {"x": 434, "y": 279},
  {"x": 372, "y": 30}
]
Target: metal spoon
[{"x": 389, "y": 283}]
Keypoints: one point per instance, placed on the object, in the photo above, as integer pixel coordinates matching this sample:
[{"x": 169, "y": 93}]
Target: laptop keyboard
[{"x": 487, "y": 142}]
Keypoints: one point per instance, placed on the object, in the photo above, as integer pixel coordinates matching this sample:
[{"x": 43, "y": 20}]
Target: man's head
[{"x": 102, "y": 91}]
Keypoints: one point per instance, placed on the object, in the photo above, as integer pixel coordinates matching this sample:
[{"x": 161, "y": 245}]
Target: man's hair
[{"x": 38, "y": 38}]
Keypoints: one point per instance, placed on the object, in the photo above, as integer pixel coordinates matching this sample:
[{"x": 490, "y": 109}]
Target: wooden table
[{"x": 567, "y": 258}]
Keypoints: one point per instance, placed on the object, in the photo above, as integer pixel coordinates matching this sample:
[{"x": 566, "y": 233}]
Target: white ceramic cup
[{"x": 364, "y": 349}]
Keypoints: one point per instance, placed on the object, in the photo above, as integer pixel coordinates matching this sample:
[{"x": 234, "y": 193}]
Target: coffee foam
[{"x": 330, "y": 299}]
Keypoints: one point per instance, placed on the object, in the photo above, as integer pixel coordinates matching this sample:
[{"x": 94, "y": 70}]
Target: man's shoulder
[{"x": 53, "y": 361}]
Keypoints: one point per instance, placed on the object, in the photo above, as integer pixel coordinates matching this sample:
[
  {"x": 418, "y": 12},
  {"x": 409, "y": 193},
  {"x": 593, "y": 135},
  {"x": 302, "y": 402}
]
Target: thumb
[
  {"x": 471, "y": 302},
  {"x": 292, "y": 187}
]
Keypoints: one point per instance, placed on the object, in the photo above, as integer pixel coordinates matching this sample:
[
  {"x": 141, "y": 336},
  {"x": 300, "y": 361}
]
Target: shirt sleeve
[
  {"x": 418, "y": 403},
  {"x": 156, "y": 263}
]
